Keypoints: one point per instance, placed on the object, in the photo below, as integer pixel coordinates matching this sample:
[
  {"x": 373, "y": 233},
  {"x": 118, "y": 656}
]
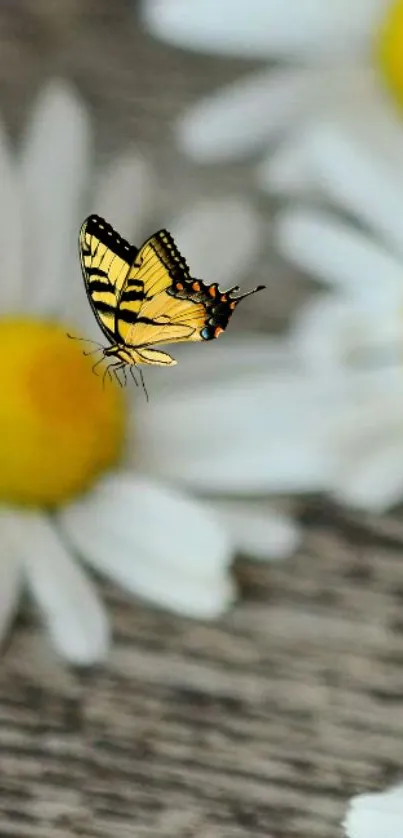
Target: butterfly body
[{"x": 142, "y": 298}]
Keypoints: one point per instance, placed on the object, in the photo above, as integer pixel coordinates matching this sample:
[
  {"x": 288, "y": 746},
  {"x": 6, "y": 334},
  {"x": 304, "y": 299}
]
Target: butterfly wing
[
  {"x": 106, "y": 260},
  {"x": 157, "y": 263},
  {"x": 175, "y": 307}
]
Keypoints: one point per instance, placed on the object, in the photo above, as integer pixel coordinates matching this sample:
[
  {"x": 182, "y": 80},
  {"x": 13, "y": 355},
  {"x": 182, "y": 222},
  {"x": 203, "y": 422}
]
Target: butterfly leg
[
  {"x": 143, "y": 383},
  {"x": 117, "y": 367},
  {"x": 97, "y": 364},
  {"x": 131, "y": 370},
  {"x": 112, "y": 370},
  {"x": 108, "y": 373}
]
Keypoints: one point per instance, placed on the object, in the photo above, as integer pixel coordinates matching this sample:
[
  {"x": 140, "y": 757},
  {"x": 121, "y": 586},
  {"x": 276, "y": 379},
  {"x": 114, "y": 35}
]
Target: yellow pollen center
[
  {"x": 390, "y": 50},
  {"x": 59, "y": 428}
]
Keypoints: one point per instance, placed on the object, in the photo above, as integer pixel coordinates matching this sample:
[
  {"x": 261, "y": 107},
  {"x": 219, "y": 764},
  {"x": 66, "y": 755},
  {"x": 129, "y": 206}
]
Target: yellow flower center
[
  {"x": 390, "y": 49},
  {"x": 59, "y": 428}
]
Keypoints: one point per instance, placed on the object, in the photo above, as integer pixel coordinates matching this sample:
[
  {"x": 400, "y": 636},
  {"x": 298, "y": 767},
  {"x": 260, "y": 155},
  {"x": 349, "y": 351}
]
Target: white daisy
[
  {"x": 376, "y": 814},
  {"x": 332, "y": 57},
  {"x": 354, "y": 331},
  {"x": 63, "y": 492}
]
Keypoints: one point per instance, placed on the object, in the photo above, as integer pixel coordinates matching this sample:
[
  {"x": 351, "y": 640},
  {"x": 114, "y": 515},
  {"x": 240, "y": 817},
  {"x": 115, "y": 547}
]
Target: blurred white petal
[
  {"x": 156, "y": 543},
  {"x": 330, "y": 331},
  {"x": 369, "y": 471},
  {"x": 71, "y": 610},
  {"x": 359, "y": 164},
  {"x": 376, "y": 815},
  {"x": 125, "y": 194},
  {"x": 375, "y": 483},
  {"x": 220, "y": 239},
  {"x": 240, "y": 118},
  {"x": 55, "y": 161},
  {"x": 10, "y": 574},
  {"x": 247, "y": 434},
  {"x": 258, "y": 530},
  {"x": 215, "y": 361},
  {"x": 252, "y": 29},
  {"x": 288, "y": 169},
  {"x": 11, "y": 233},
  {"x": 319, "y": 243}
]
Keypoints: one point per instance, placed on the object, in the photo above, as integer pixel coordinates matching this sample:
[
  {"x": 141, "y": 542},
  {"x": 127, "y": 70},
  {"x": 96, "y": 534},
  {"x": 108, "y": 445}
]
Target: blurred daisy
[
  {"x": 65, "y": 440},
  {"x": 355, "y": 330},
  {"x": 336, "y": 57},
  {"x": 376, "y": 814}
]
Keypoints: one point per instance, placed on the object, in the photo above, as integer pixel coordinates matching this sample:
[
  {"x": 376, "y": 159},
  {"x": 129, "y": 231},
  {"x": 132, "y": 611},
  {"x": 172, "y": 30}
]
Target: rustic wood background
[{"x": 264, "y": 723}]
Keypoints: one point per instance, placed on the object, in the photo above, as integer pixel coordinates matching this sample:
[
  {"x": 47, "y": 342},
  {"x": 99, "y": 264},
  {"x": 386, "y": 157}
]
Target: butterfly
[{"x": 142, "y": 298}]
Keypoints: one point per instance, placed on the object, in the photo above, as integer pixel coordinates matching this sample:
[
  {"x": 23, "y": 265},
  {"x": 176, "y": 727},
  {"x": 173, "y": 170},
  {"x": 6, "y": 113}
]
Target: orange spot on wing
[
  {"x": 218, "y": 331},
  {"x": 232, "y": 306},
  {"x": 179, "y": 286},
  {"x": 196, "y": 286},
  {"x": 212, "y": 290},
  {"x": 224, "y": 298}
]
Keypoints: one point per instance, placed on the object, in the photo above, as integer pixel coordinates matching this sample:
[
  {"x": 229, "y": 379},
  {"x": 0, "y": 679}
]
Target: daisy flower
[
  {"x": 331, "y": 58},
  {"x": 375, "y": 814},
  {"x": 97, "y": 477},
  {"x": 354, "y": 330}
]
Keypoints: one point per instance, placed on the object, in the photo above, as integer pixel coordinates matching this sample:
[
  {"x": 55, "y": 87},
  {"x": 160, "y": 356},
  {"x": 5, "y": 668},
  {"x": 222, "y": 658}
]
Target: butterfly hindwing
[
  {"x": 106, "y": 259},
  {"x": 186, "y": 310}
]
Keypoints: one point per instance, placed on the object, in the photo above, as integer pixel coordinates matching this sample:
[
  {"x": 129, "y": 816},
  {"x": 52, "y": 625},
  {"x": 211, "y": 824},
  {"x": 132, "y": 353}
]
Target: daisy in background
[
  {"x": 335, "y": 112},
  {"x": 354, "y": 331},
  {"x": 333, "y": 57},
  {"x": 99, "y": 477},
  {"x": 376, "y": 814}
]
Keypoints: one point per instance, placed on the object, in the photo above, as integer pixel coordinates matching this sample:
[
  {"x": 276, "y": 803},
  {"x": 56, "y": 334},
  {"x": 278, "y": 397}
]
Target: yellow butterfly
[{"x": 145, "y": 297}]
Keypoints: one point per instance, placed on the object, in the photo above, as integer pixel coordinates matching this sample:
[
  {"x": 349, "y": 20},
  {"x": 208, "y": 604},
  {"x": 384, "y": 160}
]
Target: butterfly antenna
[
  {"x": 143, "y": 383},
  {"x": 86, "y": 340}
]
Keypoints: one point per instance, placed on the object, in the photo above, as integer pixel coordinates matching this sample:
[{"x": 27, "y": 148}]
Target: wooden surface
[{"x": 264, "y": 723}]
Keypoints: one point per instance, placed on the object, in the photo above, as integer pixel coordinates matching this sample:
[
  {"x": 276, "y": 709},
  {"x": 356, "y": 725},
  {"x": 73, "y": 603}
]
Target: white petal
[
  {"x": 373, "y": 481},
  {"x": 375, "y": 815},
  {"x": 220, "y": 238},
  {"x": 329, "y": 332},
  {"x": 240, "y": 118},
  {"x": 11, "y": 236},
  {"x": 155, "y": 542},
  {"x": 309, "y": 28},
  {"x": 10, "y": 575},
  {"x": 288, "y": 169},
  {"x": 216, "y": 361},
  {"x": 74, "y": 616},
  {"x": 244, "y": 435},
  {"x": 55, "y": 161},
  {"x": 258, "y": 530},
  {"x": 125, "y": 194},
  {"x": 321, "y": 244},
  {"x": 359, "y": 165}
]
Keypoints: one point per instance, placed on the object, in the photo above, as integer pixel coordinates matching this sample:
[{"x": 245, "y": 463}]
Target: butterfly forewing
[{"x": 106, "y": 260}]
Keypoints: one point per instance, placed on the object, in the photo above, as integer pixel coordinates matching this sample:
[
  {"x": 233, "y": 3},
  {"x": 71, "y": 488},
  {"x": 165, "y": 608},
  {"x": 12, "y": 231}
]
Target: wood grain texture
[{"x": 263, "y": 723}]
